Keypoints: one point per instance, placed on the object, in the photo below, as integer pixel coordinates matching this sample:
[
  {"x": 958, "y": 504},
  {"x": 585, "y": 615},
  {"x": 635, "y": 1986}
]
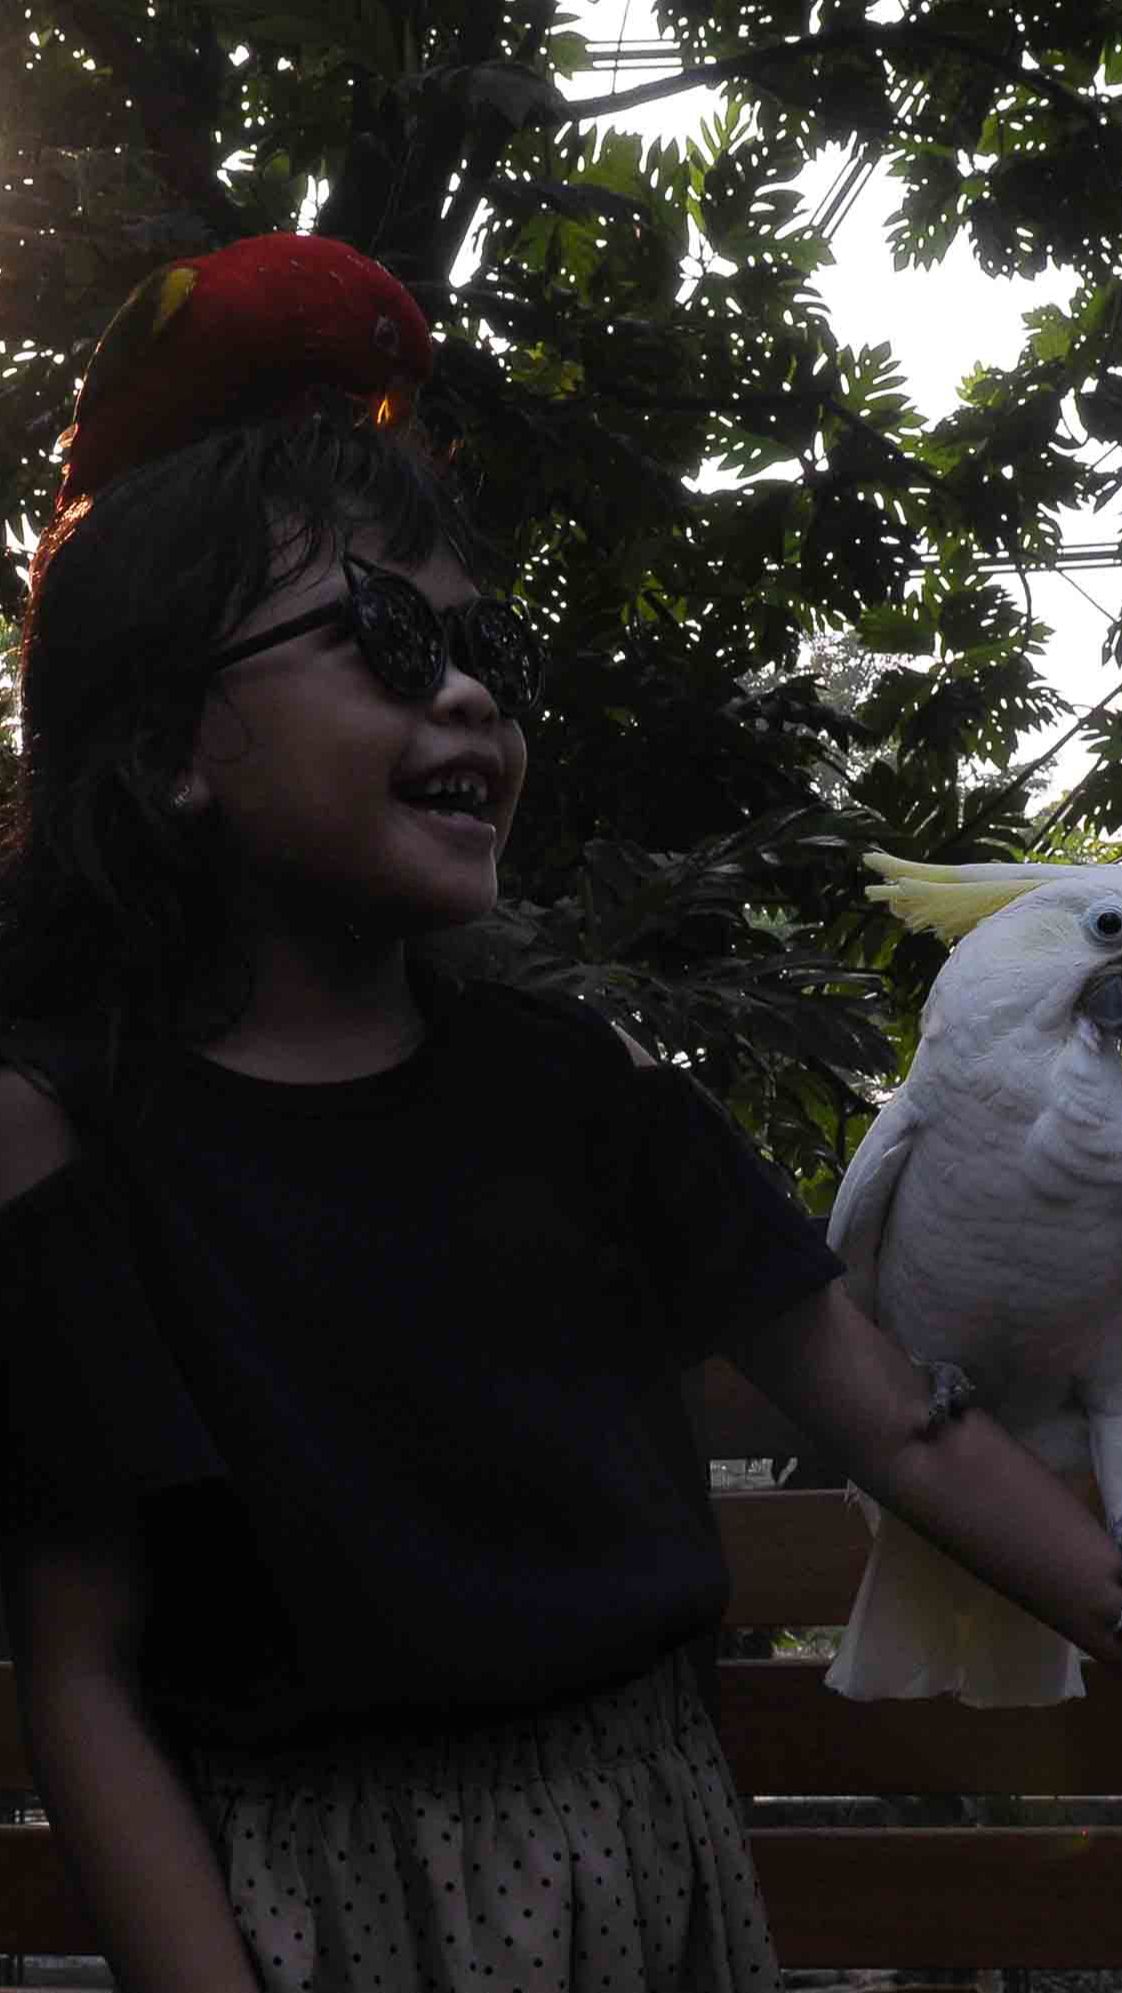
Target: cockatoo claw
[{"x": 951, "y": 1392}]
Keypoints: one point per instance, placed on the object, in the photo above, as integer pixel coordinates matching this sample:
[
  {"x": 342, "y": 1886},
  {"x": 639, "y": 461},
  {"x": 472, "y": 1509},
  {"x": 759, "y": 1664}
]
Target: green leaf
[
  {"x": 909, "y": 630},
  {"x": 568, "y": 53},
  {"x": 1100, "y": 410},
  {"x": 1053, "y": 333}
]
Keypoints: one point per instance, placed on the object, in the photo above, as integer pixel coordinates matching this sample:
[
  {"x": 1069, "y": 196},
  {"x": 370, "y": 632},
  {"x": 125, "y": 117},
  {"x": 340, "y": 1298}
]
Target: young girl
[{"x": 352, "y": 1540}]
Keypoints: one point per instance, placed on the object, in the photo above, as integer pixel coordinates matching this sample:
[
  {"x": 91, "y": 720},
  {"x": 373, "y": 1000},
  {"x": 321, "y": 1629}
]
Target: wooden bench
[{"x": 924, "y": 1898}]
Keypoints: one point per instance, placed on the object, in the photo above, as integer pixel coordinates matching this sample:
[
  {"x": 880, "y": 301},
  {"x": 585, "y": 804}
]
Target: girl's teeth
[{"x": 442, "y": 786}]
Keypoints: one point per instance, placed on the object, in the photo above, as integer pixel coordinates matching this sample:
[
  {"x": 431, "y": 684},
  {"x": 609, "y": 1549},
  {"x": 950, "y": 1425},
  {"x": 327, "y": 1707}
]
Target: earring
[{"x": 181, "y": 795}]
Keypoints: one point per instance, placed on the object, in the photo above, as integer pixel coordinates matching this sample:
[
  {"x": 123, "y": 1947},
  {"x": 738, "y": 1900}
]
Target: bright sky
[{"x": 939, "y": 323}]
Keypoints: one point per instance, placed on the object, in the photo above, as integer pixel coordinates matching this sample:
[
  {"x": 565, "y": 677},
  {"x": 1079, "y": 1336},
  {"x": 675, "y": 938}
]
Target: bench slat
[
  {"x": 1038, "y": 1897},
  {"x": 972, "y": 1897},
  {"x": 785, "y": 1734},
  {"x": 14, "y": 1773},
  {"x": 39, "y": 1911}
]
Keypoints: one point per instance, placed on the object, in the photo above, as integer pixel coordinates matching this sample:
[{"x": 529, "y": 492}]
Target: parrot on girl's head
[
  {"x": 240, "y": 333},
  {"x": 981, "y": 1224}
]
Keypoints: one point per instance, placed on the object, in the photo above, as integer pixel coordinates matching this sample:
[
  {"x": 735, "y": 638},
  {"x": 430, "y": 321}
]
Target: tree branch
[
  {"x": 362, "y": 202},
  {"x": 175, "y": 120},
  {"x": 1066, "y": 804},
  {"x": 774, "y": 402},
  {"x": 489, "y": 148},
  {"x": 478, "y": 297},
  {"x": 419, "y": 232},
  {"x": 753, "y": 64}
]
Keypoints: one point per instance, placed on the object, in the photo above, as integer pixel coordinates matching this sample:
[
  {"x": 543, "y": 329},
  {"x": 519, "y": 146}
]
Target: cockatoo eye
[{"x": 1103, "y": 922}]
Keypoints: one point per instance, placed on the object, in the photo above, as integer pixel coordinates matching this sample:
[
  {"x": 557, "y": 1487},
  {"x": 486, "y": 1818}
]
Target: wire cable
[
  {"x": 619, "y": 46},
  {"x": 1086, "y": 597}
]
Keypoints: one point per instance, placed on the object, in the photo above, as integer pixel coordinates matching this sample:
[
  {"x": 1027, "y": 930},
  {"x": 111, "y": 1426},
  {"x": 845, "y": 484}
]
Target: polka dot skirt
[{"x": 595, "y": 1847}]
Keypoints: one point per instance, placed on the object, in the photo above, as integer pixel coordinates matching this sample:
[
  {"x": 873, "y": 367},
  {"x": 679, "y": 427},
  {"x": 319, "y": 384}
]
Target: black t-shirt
[{"x": 392, "y": 1366}]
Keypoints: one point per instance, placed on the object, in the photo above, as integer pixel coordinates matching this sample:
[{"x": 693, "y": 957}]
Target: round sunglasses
[{"x": 407, "y": 643}]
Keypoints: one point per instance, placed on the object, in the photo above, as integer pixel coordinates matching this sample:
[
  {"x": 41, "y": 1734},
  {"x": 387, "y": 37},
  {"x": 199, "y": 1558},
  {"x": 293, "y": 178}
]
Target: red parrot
[{"x": 235, "y": 335}]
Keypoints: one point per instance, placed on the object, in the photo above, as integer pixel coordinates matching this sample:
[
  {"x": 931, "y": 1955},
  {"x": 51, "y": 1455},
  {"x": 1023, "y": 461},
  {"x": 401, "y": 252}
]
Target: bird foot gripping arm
[{"x": 951, "y": 1393}]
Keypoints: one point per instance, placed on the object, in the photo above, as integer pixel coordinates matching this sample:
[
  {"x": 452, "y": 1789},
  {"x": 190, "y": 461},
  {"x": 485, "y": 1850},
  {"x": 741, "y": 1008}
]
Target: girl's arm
[
  {"x": 76, "y": 1603},
  {"x": 124, "y": 1821},
  {"x": 967, "y": 1485}
]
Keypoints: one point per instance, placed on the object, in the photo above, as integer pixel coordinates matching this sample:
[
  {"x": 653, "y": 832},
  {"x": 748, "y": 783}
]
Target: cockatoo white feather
[{"x": 981, "y": 1224}]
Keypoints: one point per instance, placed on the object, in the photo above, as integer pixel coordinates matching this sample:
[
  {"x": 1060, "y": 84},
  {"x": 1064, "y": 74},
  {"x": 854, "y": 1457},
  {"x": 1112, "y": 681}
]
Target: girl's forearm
[
  {"x": 967, "y": 1485},
  {"x": 980, "y": 1496},
  {"x": 132, "y": 1839}
]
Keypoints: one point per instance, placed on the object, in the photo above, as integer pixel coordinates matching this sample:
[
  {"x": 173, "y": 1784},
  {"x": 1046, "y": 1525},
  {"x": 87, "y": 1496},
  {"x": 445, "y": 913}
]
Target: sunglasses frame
[{"x": 346, "y": 614}]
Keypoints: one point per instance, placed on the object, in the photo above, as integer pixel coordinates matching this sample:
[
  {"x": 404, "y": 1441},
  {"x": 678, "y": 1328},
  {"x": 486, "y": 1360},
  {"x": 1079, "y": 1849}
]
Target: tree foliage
[{"x": 689, "y": 850}]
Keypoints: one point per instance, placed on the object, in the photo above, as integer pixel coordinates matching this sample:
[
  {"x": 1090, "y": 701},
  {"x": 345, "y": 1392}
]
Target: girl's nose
[{"x": 459, "y": 696}]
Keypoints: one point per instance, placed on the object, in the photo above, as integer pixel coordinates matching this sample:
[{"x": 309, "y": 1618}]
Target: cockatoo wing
[{"x": 860, "y": 1215}]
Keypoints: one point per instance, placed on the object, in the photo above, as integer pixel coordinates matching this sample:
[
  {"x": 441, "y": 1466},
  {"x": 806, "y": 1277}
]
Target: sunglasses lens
[
  {"x": 505, "y": 655},
  {"x": 403, "y": 640},
  {"x": 399, "y": 635}
]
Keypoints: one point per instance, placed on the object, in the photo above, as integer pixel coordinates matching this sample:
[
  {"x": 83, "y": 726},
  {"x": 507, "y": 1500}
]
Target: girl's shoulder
[
  {"x": 57, "y": 1076},
  {"x": 37, "y": 1137},
  {"x": 553, "y": 1020}
]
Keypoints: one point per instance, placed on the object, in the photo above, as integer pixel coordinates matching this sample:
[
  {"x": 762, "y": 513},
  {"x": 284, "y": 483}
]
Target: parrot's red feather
[{"x": 266, "y": 320}]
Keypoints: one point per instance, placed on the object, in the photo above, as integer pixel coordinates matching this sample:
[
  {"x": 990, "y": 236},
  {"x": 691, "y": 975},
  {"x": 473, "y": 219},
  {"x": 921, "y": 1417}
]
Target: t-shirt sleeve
[
  {"x": 93, "y": 1408},
  {"x": 727, "y": 1249}
]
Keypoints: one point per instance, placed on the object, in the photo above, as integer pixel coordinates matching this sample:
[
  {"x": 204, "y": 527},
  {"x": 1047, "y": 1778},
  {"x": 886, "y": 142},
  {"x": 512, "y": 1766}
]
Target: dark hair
[{"x": 111, "y": 908}]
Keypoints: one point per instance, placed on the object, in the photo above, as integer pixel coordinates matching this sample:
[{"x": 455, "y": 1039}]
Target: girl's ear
[{"x": 185, "y": 794}]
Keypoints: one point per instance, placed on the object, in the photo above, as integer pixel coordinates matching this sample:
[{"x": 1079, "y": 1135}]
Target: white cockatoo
[{"x": 981, "y": 1224}]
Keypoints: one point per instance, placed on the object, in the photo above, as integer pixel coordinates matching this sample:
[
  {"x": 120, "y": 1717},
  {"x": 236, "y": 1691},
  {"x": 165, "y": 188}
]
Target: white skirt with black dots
[{"x": 596, "y": 1847}]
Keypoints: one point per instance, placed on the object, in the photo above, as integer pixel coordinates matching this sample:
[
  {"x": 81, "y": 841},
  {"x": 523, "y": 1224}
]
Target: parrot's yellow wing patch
[
  {"x": 951, "y": 899},
  {"x": 174, "y": 291},
  {"x": 128, "y": 338}
]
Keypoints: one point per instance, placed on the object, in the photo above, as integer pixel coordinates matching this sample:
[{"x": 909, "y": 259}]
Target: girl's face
[{"x": 315, "y": 766}]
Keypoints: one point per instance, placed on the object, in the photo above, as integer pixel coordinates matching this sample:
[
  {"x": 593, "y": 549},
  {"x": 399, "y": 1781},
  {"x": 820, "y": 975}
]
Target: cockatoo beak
[{"x": 1101, "y": 999}]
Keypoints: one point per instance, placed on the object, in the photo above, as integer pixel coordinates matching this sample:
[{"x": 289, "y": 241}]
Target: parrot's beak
[
  {"x": 393, "y": 407},
  {"x": 1101, "y": 999}
]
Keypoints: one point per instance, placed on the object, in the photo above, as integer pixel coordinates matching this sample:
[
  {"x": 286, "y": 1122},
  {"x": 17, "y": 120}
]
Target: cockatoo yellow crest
[{"x": 951, "y": 899}]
